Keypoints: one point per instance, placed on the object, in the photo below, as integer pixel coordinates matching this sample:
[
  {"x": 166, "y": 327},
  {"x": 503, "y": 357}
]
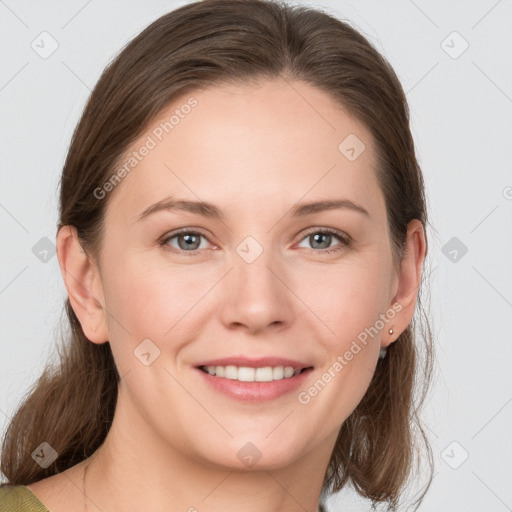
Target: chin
[{"x": 254, "y": 452}]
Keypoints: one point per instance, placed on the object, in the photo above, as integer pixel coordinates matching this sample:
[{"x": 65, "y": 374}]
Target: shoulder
[
  {"x": 19, "y": 498},
  {"x": 57, "y": 493}
]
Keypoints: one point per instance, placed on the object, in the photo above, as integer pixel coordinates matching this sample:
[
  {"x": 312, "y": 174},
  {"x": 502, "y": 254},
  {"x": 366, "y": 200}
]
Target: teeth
[
  {"x": 265, "y": 374},
  {"x": 288, "y": 372},
  {"x": 246, "y": 374},
  {"x": 278, "y": 372}
]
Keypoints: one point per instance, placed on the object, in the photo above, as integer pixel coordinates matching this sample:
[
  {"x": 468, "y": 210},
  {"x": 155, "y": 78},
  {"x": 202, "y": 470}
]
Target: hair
[{"x": 71, "y": 406}]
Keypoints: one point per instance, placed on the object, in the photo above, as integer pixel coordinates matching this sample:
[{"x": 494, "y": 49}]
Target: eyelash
[{"x": 345, "y": 240}]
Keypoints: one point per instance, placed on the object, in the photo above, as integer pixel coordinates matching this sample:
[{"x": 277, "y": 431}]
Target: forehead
[{"x": 276, "y": 141}]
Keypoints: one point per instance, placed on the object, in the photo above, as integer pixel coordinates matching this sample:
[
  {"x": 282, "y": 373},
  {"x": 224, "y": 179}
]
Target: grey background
[{"x": 461, "y": 106}]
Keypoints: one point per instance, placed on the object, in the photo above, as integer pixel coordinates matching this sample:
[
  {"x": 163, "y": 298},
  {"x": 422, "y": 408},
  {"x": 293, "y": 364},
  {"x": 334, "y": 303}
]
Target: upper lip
[{"x": 258, "y": 362}]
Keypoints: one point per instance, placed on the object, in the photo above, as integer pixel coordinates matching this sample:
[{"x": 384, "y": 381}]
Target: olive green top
[{"x": 19, "y": 498}]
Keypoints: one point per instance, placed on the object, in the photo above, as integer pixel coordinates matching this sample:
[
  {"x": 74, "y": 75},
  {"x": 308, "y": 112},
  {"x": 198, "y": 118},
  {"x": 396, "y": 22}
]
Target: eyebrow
[{"x": 209, "y": 210}]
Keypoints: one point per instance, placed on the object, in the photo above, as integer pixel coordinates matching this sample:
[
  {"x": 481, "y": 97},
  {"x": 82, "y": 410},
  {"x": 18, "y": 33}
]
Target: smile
[
  {"x": 253, "y": 385},
  {"x": 248, "y": 374}
]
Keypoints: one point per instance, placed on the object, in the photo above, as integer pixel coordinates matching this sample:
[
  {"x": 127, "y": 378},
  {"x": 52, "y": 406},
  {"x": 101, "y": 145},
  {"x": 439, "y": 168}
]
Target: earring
[
  {"x": 382, "y": 353},
  {"x": 391, "y": 331}
]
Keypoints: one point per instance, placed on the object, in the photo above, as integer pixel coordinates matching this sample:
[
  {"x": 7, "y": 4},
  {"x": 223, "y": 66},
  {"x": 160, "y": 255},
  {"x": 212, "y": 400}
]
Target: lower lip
[{"x": 255, "y": 391}]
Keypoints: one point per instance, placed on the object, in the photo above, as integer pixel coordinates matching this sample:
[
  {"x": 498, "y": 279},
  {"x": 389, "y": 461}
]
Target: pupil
[
  {"x": 321, "y": 235},
  {"x": 189, "y": 238}
]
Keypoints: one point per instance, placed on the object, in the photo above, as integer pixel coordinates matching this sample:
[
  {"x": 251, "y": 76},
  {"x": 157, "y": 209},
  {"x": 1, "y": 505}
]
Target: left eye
[{"x": 324, "y": 239}]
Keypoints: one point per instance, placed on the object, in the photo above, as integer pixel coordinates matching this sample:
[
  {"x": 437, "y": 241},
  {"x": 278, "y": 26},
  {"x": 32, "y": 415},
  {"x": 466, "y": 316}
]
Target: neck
[{"x": 127, "y": 474}]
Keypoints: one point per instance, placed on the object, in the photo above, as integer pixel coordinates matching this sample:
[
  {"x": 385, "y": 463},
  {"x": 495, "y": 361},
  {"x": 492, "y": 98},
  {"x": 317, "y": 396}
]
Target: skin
[{"x": 253, "y": 151}]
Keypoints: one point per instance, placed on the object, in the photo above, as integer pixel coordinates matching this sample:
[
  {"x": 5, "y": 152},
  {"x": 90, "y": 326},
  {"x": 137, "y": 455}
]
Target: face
[{"x": 256, "y": 279}]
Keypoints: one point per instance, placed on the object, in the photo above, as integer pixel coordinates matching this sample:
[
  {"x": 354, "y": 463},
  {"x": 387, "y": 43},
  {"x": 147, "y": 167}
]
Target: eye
[
  {"x": 190, "y": 242},
  {"x": 321, "y": 239},
  {"x": 187, "y": 241}
]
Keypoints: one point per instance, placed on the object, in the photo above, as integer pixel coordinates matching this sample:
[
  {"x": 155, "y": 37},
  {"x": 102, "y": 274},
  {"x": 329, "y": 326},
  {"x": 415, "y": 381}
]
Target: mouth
[
  {"x": 253, "y": 374},
  {"x": 254, "y": 381}
]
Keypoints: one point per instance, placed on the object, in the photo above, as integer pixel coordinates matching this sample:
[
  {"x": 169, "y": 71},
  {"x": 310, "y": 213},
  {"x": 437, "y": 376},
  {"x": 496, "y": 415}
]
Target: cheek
[
  {"x": 347, "y": 369},
  {"x": 351, "y": 297},
  {"x": 354, "y": 298},
  {"x": 154, "y": 300}
]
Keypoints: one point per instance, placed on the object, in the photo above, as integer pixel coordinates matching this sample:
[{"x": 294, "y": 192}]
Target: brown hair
[{"x": 72, "y": 405}]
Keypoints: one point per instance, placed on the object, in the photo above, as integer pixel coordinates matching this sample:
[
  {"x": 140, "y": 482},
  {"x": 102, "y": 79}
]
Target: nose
[{"x": 255, "y": 296}]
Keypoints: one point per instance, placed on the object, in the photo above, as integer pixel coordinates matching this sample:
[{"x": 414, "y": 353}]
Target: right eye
[{"x": 187, "y": 241}]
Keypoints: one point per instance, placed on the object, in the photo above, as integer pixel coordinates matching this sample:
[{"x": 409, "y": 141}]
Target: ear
[
  {"x": 83, "y": 283},
  {"x": 407, "y": 281}
]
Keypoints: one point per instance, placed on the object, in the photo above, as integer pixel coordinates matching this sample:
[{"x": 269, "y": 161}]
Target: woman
[{"x": 242, "y": 237}]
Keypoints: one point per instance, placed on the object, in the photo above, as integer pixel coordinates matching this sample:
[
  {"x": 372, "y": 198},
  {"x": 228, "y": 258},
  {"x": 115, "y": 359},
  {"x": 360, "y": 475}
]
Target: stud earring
[{"x": 391, "y": 331}]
